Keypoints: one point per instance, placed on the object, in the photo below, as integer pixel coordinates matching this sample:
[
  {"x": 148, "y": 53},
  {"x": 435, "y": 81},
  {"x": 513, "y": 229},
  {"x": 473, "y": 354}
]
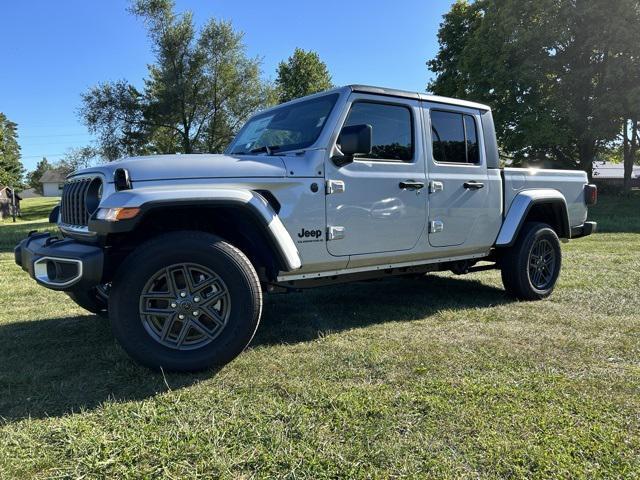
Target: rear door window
[{"x": 454, "y": 137}]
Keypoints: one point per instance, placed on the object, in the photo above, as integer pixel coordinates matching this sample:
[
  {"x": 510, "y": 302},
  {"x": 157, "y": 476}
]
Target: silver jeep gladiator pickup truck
[{"x": 351, "y": 184}]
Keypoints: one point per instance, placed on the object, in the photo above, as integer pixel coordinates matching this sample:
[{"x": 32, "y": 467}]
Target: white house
[{"x": 52, "y": 182}]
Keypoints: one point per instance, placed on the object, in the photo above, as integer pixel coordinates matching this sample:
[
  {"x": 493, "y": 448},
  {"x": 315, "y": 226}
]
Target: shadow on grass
[
  {"x": 304, "y": 316},
  {"x": 59, "y": 366}
]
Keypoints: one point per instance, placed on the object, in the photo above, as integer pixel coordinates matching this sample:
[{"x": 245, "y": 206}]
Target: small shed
[
  {"x": 6, "y": 202},
  {"x": 52, "y": 182}
]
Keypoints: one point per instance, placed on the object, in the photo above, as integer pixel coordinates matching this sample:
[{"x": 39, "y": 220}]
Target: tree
[
  {"x": 33, "y": 178},
  {"x": 115, "y": 113},
  {"x": 77, "y": 158},
  {"x": 73, "y": 160},
  {"x": 627, "y": 71},
  {"x": 234, "y": 88},
  {"x": 302, "y": 74},
  {"x": 552, "y": 70},
  {"x": 200, "y": 90},
  {"x": 11, "y": 168},
  {"x": 630, "y": 149}
]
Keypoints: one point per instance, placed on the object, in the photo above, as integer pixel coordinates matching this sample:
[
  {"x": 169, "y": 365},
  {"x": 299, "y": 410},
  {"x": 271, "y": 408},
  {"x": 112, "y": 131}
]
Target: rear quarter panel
[{"x": 569, "y": 182}]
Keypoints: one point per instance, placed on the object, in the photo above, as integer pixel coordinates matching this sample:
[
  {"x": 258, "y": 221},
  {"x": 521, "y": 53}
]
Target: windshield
[{"x": 287, "y": 128}]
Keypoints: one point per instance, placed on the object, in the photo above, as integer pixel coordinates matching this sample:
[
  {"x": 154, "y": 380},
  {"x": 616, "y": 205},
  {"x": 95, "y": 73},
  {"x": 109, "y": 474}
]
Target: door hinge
[
  {"x": 436, "y": 226},
  {"x": 335, "y": 232},
  {"x": 435, "y": 186},
  {"x": 334, "y": 186}
]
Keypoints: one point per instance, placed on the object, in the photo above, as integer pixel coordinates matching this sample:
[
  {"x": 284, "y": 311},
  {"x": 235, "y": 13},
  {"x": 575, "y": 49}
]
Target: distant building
[
  {"x": 52, "y": 182},
  {"x": 613, "y": 174},
  {"x": 6, "y": 202}
]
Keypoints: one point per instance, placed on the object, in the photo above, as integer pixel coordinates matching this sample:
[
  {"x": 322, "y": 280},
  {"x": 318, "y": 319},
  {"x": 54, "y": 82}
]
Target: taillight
[{"x": 590, "y": 194}]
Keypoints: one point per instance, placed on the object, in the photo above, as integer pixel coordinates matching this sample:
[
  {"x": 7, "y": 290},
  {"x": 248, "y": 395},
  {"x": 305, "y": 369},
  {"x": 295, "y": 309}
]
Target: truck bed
[{"x": 569, "y": 182}]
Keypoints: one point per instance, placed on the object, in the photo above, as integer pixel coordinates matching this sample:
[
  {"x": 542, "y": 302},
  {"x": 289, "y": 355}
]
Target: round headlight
[{"x": 93, "y": 196}]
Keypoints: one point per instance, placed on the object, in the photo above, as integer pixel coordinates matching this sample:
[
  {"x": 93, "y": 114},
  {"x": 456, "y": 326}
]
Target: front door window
[{"x": 377, "y": 212}]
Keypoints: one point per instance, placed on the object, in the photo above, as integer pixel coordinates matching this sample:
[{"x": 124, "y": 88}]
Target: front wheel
[
  {"x": 185, "y": 301},
  {"x": 530, "y": 268}
]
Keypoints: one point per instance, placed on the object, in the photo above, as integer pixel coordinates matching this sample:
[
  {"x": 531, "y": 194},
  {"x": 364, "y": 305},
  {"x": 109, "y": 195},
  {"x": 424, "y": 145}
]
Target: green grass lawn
[
  {"x": 35, "y": 216},
  {"x": 442, "y": 377}
]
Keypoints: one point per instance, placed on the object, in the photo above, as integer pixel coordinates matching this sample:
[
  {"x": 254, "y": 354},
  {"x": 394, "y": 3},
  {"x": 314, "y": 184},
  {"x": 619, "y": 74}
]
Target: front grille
[{"x": 73, "y": 208}]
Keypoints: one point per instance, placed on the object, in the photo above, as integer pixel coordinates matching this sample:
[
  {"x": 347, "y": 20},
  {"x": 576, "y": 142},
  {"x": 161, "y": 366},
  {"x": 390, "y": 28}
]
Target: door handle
[
  {"x": 473, "y": 185},
  {"x": 411, "y": 185}
]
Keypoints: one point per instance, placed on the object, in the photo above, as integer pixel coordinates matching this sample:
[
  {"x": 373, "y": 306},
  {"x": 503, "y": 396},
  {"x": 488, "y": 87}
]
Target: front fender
[
  {"x": 522, "y": 203},
  {"x": 147, "y": 199}
]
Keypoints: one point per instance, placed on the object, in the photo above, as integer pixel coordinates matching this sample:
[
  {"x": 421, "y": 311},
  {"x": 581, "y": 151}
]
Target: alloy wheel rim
[
  {"x": 542, "y": 264},
  {"x": 185, "y": 306}
]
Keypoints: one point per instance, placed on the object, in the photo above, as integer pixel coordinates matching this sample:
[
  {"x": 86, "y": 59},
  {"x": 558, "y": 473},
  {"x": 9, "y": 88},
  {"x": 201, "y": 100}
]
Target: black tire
[
  {"x": 94, "y": 300},
  {"x": 523, "y": 274},
  {"x": 197, "y": 251}
]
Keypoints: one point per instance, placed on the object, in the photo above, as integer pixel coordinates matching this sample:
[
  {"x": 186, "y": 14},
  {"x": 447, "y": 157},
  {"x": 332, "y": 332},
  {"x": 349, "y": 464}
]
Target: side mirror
[{"x": 353, "y": 140}]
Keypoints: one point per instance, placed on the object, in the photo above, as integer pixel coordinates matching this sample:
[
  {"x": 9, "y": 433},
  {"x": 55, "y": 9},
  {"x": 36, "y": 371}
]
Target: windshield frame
[{"x": 274, "y": 110}]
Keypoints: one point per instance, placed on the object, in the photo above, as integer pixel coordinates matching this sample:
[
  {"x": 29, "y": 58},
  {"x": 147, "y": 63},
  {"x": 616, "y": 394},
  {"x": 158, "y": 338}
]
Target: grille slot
[{"x": 73, "y": 208}]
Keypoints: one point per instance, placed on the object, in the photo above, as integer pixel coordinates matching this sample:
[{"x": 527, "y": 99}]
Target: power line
[
  {"x": 29, "y": 144},
  {"x": 43, "y": 155},
  {"x": 47, "y": 125},
  {"x": 57, "y": 135}
]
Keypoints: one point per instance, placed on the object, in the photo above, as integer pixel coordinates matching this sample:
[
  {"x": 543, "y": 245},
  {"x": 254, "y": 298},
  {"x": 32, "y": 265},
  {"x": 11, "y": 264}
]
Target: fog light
[
  {"x": 57, "y": 272},
  {"x": 52, "y": 272}
]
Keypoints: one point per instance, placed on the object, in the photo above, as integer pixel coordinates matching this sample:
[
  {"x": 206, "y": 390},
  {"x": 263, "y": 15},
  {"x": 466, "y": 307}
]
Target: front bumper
[
  {"x": 587, "y": 228},
  {"x": 60, "y": 264}
]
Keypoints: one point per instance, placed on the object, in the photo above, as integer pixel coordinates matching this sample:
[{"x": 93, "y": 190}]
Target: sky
[{"x": 55, "y": 50}]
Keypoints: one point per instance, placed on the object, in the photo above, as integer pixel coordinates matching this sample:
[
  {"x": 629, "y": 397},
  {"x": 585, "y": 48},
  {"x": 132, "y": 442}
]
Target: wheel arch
[
  {"x": 543, "y": 205},
  {"x": 245, "y": 218}
]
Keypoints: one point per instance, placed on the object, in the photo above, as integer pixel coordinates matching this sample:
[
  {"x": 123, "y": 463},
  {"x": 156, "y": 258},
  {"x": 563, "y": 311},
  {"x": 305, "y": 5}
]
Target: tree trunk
[
  {"x": 587, "y": 151},
  {"x": 186, "y": 142},
  {"x": 630, "y": 147}
]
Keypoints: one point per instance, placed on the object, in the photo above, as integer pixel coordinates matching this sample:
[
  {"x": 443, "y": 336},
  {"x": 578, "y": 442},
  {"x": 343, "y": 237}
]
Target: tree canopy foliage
[
  {"x": 11, "y": 168},
  {"x": 200, "y": 89},
  {"x": 33, "y": 177},
  {"x": 562, "y": 76},
  {"x": 302, "y": 74},
  {"x": 76, "y": 158}
]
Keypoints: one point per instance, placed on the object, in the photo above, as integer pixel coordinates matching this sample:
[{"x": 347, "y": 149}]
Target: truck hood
[{"x": 175, "y": 167}]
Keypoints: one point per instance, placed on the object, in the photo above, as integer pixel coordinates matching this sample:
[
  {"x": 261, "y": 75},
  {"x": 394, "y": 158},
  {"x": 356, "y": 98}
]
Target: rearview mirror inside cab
[{"x": 353, "y": 140}]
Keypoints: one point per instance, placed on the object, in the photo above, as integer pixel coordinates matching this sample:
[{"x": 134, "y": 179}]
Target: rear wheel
[
  {"x": 530, "y": 268},
  {"x": 185, "y": 301},
  {"x": 95, "y": 300}
]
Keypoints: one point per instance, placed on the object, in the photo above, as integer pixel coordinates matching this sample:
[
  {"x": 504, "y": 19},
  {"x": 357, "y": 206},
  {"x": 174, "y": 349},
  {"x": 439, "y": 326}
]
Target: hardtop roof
[
  {"x": 389, "y": 92},
  {"x": 392, "y": 92}
]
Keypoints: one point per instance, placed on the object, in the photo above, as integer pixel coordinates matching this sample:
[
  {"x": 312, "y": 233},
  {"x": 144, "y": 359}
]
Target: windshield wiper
[{"x": 268, "y": 149}]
